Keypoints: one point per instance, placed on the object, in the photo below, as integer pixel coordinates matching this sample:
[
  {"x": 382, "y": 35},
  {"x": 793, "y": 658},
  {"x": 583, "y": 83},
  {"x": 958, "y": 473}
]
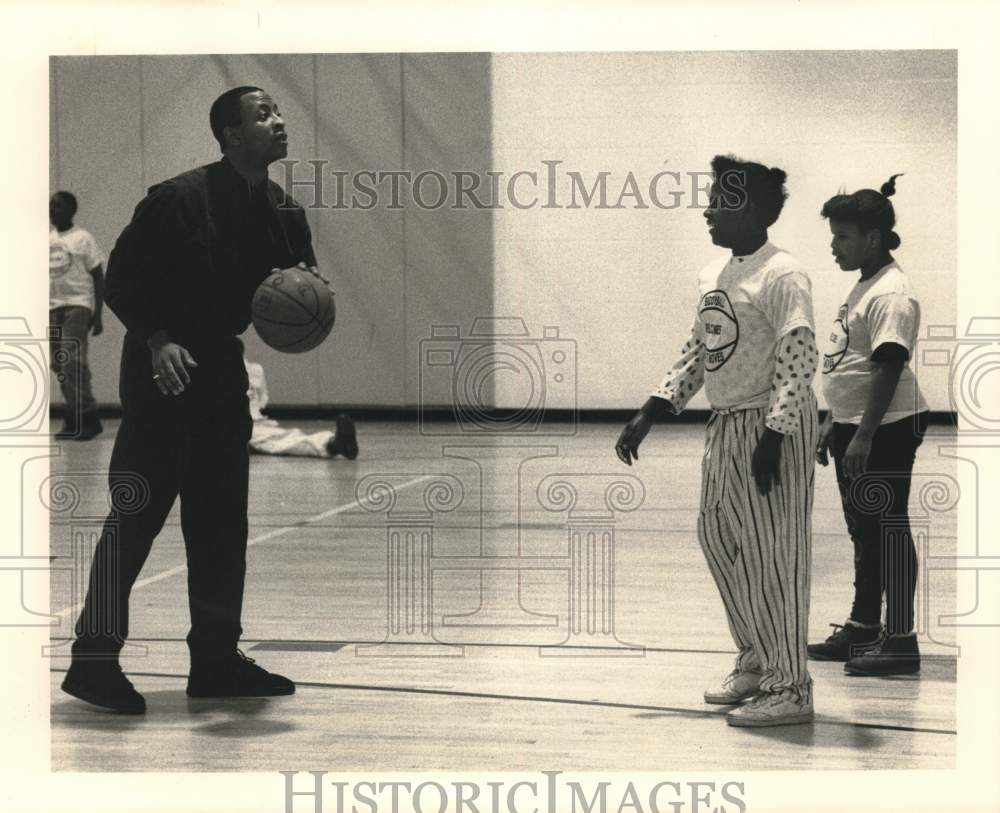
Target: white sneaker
[
  {"x": 769, "y": 710},
  {"x": 737, "y": 687}
]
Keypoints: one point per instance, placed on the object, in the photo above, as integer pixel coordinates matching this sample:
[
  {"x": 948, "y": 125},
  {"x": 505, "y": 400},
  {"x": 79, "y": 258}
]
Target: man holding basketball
[{"x": 181, "y": 278}]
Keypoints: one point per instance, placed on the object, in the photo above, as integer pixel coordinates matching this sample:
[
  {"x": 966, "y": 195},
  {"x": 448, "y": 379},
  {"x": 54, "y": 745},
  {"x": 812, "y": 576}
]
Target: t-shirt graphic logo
[
  {"x": 60, "y": 260},
  {"x": 722, "y": 331},
  {"x": 839, "y": 337}
]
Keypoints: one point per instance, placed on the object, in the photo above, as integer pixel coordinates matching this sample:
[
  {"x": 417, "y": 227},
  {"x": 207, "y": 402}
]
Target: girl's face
[
  {"x": 730, "y": 216},
  {"x": 852, "y": 247}
]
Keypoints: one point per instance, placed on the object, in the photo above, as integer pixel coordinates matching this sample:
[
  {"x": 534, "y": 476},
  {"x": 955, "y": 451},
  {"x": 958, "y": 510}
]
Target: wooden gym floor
[{"x": 473, "y": 676}]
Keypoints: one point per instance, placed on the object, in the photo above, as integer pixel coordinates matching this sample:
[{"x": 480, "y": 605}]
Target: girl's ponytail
[{"x": 889, "y": 187}]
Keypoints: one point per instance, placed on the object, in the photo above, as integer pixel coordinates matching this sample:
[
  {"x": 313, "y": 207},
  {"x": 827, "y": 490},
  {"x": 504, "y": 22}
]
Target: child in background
[
  {"x": 76, "y": 303},
  {"x": 269, "y": 437},
  {"x": 876, "y": 422}
]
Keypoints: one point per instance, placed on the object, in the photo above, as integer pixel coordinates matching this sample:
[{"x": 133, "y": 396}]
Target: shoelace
[
  {"x": 876, "y": 648},
  {"x": 838, "y": 631},
  {"x": 762, "y": 700},
  {"x": 243, "y": 656}
]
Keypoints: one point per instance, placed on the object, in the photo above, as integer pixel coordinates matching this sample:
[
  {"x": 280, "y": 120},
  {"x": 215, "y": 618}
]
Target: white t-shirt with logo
[
  {"x": 746, "y": 305},
  {"x": 73, "y": 254},
  {"x": 879, "y": 310}
]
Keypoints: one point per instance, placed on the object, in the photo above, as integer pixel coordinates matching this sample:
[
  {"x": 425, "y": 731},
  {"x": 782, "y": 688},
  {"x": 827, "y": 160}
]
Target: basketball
[{"x": 293, "y": 310}]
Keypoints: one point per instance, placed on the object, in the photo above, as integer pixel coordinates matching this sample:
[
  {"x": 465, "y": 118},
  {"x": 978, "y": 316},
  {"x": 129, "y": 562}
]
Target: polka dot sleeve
[
  {"x": 687, "y": 375},
  {"x": 794, "y": 367}
]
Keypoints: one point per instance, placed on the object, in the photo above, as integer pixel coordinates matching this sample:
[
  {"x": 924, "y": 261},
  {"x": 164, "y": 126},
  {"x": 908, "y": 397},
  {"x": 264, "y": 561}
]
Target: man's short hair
[{"x": 225, "y": 112}]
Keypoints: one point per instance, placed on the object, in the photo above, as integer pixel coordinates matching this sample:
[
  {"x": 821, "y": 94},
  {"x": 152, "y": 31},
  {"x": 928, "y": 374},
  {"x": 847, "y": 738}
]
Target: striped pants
[{"x": 758, "y": 548}]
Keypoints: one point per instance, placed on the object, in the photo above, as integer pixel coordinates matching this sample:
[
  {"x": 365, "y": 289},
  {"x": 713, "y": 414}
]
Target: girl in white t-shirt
[{"x": 877, "y": 419}]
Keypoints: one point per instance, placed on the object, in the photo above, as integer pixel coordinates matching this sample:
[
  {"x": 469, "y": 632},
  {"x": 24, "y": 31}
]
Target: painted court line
[
  {"x": 649, "y": 712},
  {"x": 340, "y": 509}
]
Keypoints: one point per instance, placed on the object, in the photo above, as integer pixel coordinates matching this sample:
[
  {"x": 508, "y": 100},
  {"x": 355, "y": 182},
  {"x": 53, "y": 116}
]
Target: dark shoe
[
  {"x": 236, "y": 676},
  {"x": 345, "y": 439},
  {"x": 847, "y": 641},
  {"x": 894, "y": 655},
  {"x": 91, "y": 429},
  {"x": 102, "y": 683},
  {"x": 68, "y": 432}
]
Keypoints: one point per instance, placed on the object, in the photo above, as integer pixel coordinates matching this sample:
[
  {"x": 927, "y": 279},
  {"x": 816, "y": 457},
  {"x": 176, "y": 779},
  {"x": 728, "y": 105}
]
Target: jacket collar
[{"x": 237, "y": 183}]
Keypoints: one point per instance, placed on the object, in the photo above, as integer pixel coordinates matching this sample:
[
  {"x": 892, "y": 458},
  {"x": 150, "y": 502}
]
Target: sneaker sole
[
  {"x": 813, "y": 656},
  {"x": 232, "y": 695},
  {"x": 854, "y": 670},
  {"x": 727, "y": 700},
  {"x": 81, "y": 693},
  {"x": 791, "y": 719}
]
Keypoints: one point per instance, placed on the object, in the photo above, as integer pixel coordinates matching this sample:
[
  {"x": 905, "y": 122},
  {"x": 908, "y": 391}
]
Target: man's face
[
  {"x": 261, "y": 136},
  {"x": 850, "y": 245},
  {"x": 59, "y": 214},
  {"x": 729, "y": 214}
]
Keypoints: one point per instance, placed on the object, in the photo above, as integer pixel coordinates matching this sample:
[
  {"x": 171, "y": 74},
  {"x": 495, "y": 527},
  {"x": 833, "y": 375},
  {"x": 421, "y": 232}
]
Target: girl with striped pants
[{"x": 752, "y": 348}]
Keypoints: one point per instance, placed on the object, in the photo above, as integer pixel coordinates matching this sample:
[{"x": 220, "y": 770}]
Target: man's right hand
[
  {"x": 170, "y": 364},
  {"x": 632, "y": 435}
]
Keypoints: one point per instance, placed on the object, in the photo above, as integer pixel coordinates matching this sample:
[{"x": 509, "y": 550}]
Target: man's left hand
[
  {"x": 96, "y": 325},
  {"x": 312, "y": 269}
]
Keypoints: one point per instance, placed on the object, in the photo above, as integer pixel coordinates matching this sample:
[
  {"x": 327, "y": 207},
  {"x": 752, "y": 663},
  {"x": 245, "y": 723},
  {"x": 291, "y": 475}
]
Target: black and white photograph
[{"x": 431, "y": 413}]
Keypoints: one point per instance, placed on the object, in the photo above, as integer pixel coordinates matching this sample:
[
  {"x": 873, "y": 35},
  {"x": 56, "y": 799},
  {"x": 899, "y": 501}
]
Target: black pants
[
  {"x": 877, "y": 514},
  {"x": 193, "y": 445}
]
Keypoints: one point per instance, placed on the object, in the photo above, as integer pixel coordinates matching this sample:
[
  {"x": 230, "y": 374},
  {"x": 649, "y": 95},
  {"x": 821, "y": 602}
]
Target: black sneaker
[
  {"x": 90, "y": 429},
  {"x": 68, "y": 432},
  {"x": 102, "y": 683},
  {"x": 847, "y": 640},
  {"x": 236, "y": 676},
  {"x": 894, "y": 655},
  {"x": 345, "y": 439}
]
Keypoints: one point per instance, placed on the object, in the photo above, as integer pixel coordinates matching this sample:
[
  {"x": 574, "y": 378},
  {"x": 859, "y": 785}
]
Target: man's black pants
[
  {"x": 877, "y": 514},
  {"x": 193, "y": 445}
]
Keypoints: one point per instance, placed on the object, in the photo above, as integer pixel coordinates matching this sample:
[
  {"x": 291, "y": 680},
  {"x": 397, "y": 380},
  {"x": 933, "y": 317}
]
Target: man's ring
[{"x": 156, "y": 377}]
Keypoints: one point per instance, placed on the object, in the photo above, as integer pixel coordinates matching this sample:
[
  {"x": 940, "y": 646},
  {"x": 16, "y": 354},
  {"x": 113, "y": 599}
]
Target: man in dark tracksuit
[{"x": 181, "y": 278}]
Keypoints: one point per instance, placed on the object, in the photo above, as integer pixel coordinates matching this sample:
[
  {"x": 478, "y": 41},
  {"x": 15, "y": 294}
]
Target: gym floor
[{"x": 468, "y": 614}]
